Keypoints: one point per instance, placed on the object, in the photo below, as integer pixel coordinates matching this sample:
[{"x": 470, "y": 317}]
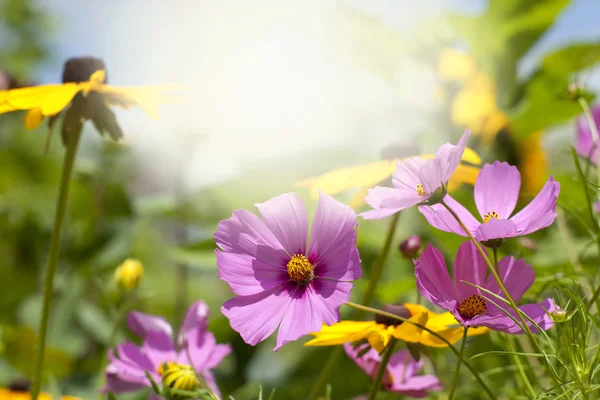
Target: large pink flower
[
  {"x": 496, "y": 193},
  {"x": 280, "y": 281},
  {"x": 468, "y": 303},
  {"x": 401, "y": 371},
  {"x": 195, "y": 350},
  {"x": 415, "y": 181}
]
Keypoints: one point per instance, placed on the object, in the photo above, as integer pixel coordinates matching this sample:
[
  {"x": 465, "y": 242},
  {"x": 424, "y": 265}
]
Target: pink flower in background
[
  {"x": 195, "y": 350},
  {"x": 468, "y": 303},
  {"x": 401, "y": 371},
  {"x": 584, "y": 142},
  {"x": 415, "y": 181},
  {"x": 496, "y": 193},
  {"x": 280, "y": 281}
]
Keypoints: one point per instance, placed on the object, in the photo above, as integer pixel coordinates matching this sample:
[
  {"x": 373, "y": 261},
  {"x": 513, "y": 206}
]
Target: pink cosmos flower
[
  {"x": 279, "y": 280},
  {"x": 401, "y": 371},
  {"x": 584, "y": 142},
  {"x": 496, "y": 193},
  {"x": 415, "y": 181},
  {"x": 195, "y": 350},
  {"x": 472, "y": 306}
]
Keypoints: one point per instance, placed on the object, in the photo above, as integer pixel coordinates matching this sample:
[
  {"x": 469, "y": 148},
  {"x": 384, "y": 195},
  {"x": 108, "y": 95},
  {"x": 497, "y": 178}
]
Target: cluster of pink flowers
[{"x": 283, "y": 281}]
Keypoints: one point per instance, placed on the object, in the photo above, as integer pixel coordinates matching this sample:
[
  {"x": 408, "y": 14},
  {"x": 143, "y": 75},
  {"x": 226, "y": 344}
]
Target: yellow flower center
[
  {"x": 472, "y": 306},
  {"x": 300, "y": 269},
  {"x": 420, "y": 190},
  {"x": 490, "y": 215},
  {"x": 178, "y": 376}
]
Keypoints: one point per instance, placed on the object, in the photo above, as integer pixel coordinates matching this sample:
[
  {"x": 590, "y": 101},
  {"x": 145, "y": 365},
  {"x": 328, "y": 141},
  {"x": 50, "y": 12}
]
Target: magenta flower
[
  {"x": 196, "y": 350},
  {"x": 496, "y": 193},
  {"x": 401, "y": 371},
  {"x": 278, "y": 279},
  {"x": 472, "y": 306},
  {"x": 415, "y": 181},
  {"x": 584, "y": 142}
]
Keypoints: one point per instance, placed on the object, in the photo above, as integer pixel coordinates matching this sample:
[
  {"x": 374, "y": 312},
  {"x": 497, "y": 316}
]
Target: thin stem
[
  {"x": 61, "y": 208},
  {"x": 520, "y": 368},
  {"x": 378, "y": 268},
  {"x": 458, "y": 364},
  {"x": 593, "y": 299},
  {"x": 367, "y": 297},
  {"x": 437, "y": 335},
  {"x": 387, "y": 353}
]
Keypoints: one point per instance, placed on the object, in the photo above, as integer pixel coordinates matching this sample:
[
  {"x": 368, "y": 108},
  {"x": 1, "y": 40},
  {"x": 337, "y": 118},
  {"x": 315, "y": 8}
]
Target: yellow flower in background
[
  {"x": 85, "y": 93},
  {"x": 379, "y": 332},
  {"x": 454, "y": 65},
  {"x": 533, "y": 163},
  {"x": 7, "y": 394},
  {"x": 129, "y": 274},
  {"x": 366, "y": 176}
]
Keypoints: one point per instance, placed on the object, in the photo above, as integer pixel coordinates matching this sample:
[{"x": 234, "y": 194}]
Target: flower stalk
[
  {"x": 387, "y": 353},
  {"x": 61, "y": 208},
  {"x": 458, "y": 364}
]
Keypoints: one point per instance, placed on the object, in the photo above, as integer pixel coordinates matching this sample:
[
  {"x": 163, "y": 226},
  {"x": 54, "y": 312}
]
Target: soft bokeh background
[{"x": 279, "y": 91}]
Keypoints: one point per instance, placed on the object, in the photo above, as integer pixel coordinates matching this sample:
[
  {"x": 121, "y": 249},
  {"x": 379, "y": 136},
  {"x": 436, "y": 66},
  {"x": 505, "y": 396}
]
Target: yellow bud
[{"x": 129, "y": 274}]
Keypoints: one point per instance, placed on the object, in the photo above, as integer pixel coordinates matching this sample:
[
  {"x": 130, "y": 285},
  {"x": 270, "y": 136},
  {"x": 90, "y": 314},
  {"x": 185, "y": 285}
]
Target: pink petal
[
  {"x": 540, "y": 213},
  {"x": 211, "y": 382},
  {"x": 247, "y": 275},
  {"x": 450, "y": 155},
  {"x": 497, "y": 189},
  {"x": 142, "y": 324},
  {"x": 332, "y": 247},
  {"x": 328, "y": 296},
  {"x": 369, "y": 362},
  {"x": 433, "y": 279},
  {"x": 159, "y": 348},
  {"x": 502, "y": 323},
  {"x": 286, "y": 218},
  {"x": 406, "y": 175},
  {"x": 496, "y": 229},
  {"x": 302, "y": 317},
  {"x": 469, "y": 266},
  {"x": 439, "y": 217},
  {"x": 257, "y": 316},
  {"x": 388, "y": 201},
  {"x": 245, "y": 233},
  {"x": 516, "y": 275},
  {"x": 402, "y": 366},
  {"x": 432, "y": 175}
]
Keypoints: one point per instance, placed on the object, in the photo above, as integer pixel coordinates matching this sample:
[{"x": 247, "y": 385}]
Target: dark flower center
[
  {"x": 490, "y": 215},
  {"x": 80, "y": 69},
  {"x": 472, "y": 306},
  {"x": 178, "y": 376},
  {"x": 396, "y": 309},
  {"x": 300, "y": 270},
  {"x": 19, "y": 385}
]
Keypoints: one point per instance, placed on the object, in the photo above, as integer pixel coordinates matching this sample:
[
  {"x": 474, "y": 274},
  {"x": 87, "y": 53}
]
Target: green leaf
[
  {"x": 95, "y": 322},
  {"x": 572, "y": 59}
]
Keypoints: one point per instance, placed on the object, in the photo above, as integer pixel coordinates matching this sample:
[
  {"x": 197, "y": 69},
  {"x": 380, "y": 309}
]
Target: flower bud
[
  {"x": 129, "y": 274},
  {"x": 559, "y": 315},
  {"x": 411, "y": 246}
]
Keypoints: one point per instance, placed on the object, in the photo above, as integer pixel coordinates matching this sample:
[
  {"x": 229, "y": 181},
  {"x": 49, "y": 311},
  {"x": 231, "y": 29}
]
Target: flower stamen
[
  {"x": 420, "y": 190},
  {"x": 472, "y": 306},
  {"x": 490, "y": 215},
  {"x": 178, "y": 376},
  {"x": 300, "y": 270}
]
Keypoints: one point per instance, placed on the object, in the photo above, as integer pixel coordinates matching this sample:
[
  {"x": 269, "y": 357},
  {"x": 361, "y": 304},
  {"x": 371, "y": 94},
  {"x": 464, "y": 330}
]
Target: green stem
[
  {"x": 387, "y": 353},
  {"x": 594, "y": 297},
  {"x": 437, "y": 335},
  {"x": 458, "y": 364},
  {"x": 367, "y": 297},
  {"x": 61, "y": 208}
]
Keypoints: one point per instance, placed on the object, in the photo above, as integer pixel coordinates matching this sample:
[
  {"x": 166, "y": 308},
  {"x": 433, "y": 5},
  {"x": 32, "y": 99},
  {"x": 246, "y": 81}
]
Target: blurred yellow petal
[
  {"x": 471, "y": 156},
  {"x": 454, "y": 66},
  {"x": 98, "y": 77},
  {"x": 492, "y": 125},
  {"x": 409, "y": 332},
  {"x": 533, "y": 164},
  {"x": 358, "y": 199},
  {"x": 7, "y": 394},
  {"x": 147, "y": 97},
  {"x": 446, "y": 326},
  {"x": 51, "y": 99},
  {"x": 463, "y": 174},
  {"x": 379, "y": 337},
  {"x": 33, "y": 118},
  {"x": 341, "y": 332}
]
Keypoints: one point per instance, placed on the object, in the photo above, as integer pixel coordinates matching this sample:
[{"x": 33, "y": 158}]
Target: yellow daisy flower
[
  {"x": 379, "y": 332},
  {"x": 366, "y": 176},
  {"x": 85, "y": 95},
  {"x": 19, "y": 390},
  {"x": 129, "y": 274}
]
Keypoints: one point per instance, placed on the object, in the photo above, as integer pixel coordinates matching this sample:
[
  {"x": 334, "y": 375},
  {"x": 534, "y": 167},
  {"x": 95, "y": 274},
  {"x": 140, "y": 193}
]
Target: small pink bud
[{"x": 411, "y": 246}]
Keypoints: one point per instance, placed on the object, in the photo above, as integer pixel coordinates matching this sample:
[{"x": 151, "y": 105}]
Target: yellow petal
[
  {"x": 33, "y": 118},
  {"x": 341, "y": 332},
  {"x": 379, "y": 337},
  {"x": 98, "y": 77},
  {"x": 409, "y": 332},
  {"x": 51, "y": 99},
  {"x": 147, "y": 97},
  {"x": 358, "y": 199},
  {"x": 455, "y": 66},
  {"x": 463, "y": 174},
  {"x": 448, "y": 327}
]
